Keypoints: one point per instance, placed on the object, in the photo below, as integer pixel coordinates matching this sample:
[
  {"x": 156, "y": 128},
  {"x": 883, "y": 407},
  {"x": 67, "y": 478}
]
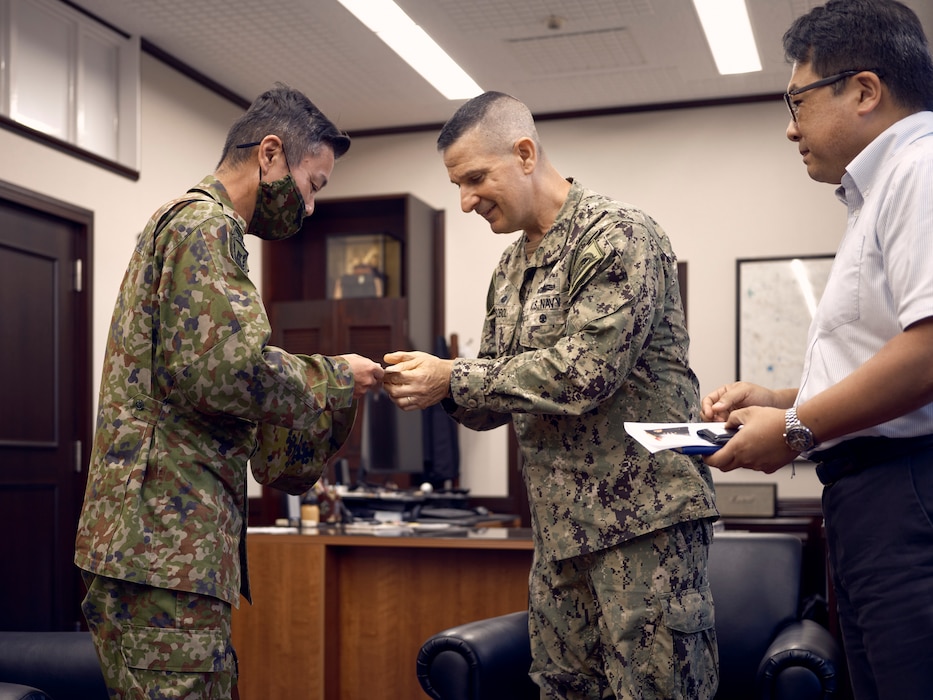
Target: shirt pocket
[
  {"x": 505, "y": 332},
  {"x": 545, "y": 320},
  {"x": 839, "y": 304}
]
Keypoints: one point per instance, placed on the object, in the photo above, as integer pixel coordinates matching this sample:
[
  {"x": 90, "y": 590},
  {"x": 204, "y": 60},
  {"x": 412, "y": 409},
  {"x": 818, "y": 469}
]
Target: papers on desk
[
  {"x": 359, "y": 527},
  {"x": 391, "y": 528},
  {"x": 271, "y": 530},
  {"x": 374, "y": 528},
  {"x": 681, "y": 437}
]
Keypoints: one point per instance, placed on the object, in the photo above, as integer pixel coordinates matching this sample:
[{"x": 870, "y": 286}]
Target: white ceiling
[{"x": 607, "y": 54}]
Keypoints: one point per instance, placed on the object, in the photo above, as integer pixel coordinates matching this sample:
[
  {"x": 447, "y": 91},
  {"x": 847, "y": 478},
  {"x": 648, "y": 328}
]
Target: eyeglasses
[{"x": 830, "y": 80}]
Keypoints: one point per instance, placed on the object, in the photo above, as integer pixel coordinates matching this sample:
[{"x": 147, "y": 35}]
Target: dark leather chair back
[
  {"x": 63, "y": 665},
  {"x": 755, "y": 579}
]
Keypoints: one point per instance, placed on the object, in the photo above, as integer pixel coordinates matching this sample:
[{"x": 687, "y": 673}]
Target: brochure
[{"x": 689, "y": 438}]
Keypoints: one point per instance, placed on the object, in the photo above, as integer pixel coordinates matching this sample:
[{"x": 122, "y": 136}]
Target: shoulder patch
[
  {"x": 238, "y": 250},
  {"x": 586, "y": 262}
]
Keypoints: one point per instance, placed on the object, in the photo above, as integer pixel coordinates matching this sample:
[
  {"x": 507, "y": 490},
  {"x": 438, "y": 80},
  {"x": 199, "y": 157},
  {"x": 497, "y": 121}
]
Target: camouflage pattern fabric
[
  {"x": 293, "y": 460},
  {"x": 632, "y": 621},
  {"x": 582, "y": 336},
  {"x": 189, "y": 388},
  {"x": 159, "y": 644}
]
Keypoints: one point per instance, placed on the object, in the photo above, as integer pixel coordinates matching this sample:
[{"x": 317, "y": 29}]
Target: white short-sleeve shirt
[{"x": 882, "y": 277}]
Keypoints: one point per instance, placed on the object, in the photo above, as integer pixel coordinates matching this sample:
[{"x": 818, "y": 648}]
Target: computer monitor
[{"x": 392, "y": 439}]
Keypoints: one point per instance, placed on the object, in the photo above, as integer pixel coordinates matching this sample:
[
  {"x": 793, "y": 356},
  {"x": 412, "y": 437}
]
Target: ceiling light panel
[
  {"x": 390, "y": 23},
  {"x": 729, "y": 35}
]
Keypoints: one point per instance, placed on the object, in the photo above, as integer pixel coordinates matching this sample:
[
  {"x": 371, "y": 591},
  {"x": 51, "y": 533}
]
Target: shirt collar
[
  {"x": 864, "y": 168},
  {"x": 214, "y": 189},
  {"x": 555, "y": 239}
]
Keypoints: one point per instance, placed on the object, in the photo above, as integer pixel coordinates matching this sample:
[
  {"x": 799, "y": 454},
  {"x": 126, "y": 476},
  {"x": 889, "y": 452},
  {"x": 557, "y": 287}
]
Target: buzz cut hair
[{"x": 500, "y": 118}]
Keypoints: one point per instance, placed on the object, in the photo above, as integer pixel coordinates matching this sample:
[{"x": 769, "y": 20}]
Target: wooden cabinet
[
  {"x": 296, "y": 271},
  {"x": 369, "y": 327}
]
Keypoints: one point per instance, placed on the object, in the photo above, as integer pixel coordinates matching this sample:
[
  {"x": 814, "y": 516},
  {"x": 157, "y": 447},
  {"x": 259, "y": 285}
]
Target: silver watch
[{"x": 797, "y": 436}]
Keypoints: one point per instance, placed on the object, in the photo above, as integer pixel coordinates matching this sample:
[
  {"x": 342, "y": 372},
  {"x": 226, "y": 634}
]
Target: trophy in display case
[{"x": 363, "y": 266}]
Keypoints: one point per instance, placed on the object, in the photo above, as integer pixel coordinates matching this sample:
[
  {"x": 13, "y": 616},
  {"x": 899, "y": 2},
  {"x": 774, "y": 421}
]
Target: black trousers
[{"x": 879, "y": 526}]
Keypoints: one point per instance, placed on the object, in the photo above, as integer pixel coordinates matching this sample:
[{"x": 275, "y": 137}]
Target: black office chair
[{"x": 765, "y": 650}]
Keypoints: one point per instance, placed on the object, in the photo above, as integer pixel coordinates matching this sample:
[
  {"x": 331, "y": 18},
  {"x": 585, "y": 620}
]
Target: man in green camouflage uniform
[
  {"x": 584, "y": 330},
  {"x": 191, "y": 393}
]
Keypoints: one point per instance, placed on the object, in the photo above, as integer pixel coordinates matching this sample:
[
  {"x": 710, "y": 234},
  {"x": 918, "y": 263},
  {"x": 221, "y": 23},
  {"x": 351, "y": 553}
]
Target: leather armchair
[
  {"x": 49, "y": 665},
  {"x": 765, "y": 650}
]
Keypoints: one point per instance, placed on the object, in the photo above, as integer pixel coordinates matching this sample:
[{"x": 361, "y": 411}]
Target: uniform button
[
  {"x": 140, "y": 405},
  {"x": 472, "y": 403},
  {"x": 542, "y": 318}
]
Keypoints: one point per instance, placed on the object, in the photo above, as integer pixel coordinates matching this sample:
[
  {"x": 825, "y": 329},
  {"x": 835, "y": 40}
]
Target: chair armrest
[
  {"x": 486, "y": 659},
  {"x": 15, "y": 691},
  {"x": 801, "y": 663}
]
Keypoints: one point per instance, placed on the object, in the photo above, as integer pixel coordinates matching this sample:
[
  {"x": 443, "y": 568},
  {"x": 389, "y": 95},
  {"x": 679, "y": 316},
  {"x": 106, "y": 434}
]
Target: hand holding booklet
[{"x": 689, "y": 438}]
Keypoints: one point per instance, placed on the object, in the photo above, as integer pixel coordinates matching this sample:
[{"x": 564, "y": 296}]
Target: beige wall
[{"x": 722, "y": 181}]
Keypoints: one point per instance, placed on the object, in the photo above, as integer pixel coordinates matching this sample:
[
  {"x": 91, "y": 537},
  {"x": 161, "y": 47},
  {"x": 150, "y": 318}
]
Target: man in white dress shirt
[{"x": 860, "y": 100}]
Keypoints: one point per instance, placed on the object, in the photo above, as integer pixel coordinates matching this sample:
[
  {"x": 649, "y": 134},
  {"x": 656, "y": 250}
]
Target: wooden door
[{"x": 45, "y": 408}]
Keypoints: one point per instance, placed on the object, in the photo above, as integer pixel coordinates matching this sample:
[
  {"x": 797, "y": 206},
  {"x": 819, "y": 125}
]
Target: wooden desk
[{"x": 343, "y": 616}]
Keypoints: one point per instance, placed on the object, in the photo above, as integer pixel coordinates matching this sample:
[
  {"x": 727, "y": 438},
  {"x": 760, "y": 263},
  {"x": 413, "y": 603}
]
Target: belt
[{"x": 852, "y": 456}]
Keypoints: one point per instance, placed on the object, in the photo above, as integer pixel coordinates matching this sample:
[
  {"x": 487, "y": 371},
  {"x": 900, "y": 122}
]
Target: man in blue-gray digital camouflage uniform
[
  {"x": 192, "y": 392},
  {"x": 584, "y": 330}
]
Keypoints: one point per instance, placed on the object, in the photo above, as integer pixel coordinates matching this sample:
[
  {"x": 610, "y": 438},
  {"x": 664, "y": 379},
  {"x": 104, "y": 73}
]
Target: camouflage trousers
[
  {"x": 633, "y": 621},
  {"x": 155, "y": 643}
]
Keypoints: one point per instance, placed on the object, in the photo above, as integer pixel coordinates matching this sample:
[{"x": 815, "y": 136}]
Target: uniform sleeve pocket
[{"x": 185, "y": 651}]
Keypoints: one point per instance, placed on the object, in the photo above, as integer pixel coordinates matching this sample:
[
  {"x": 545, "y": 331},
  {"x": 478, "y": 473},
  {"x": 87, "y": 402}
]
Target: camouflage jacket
[
  {"x": 188, "y": 390},
  {"x": 586, "y": 334}
]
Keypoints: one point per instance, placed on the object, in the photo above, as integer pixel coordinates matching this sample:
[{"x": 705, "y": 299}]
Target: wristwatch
[{"x": 797, "y": 436}]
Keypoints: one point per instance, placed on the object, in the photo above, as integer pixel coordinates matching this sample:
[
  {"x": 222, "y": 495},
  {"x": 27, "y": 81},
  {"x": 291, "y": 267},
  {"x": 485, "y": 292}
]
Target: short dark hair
[
  {"x": 290, "y": 115},
  {"x": 880, "y": 35},
  {"x": 469, "y": 115}
]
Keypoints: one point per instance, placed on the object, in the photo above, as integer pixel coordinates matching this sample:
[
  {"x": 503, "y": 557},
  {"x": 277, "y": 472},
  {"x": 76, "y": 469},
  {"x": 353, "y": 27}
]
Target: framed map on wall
[{"x": 775, "y": 302}]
